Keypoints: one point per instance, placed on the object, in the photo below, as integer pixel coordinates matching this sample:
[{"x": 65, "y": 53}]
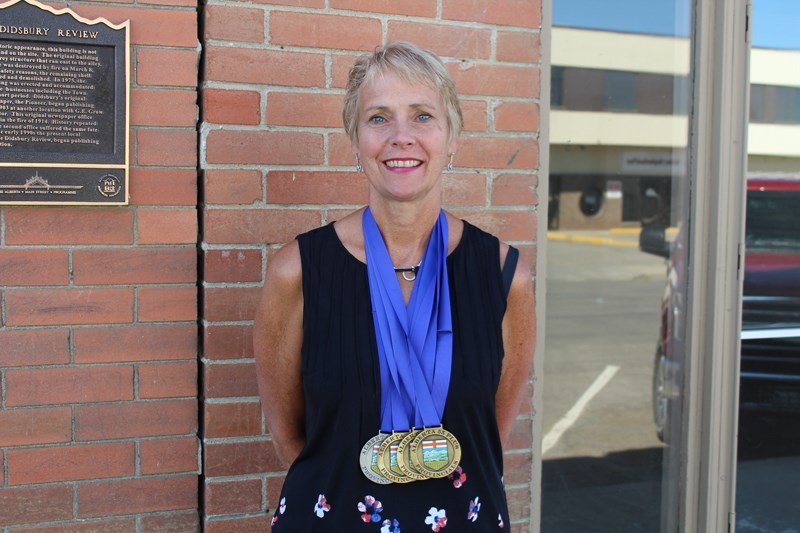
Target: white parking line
[{"x": 575, "y": 411}]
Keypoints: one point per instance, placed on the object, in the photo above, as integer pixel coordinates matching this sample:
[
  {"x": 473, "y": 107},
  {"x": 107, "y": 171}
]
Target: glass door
[
  {"x": 768, "y": 470},
  {"x": 615, "y": 344}
]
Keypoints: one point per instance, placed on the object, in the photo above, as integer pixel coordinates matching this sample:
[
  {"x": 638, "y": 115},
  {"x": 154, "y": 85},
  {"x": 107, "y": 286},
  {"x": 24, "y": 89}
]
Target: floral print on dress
[
  {"x": 390, "y": 526},
  {"x": 280, "y": 511},
  {"x": 437, "y": 519},
  {"x": 458, "y": 477},
  {"x": 500, "y": 523},
  {"x": 370, "y": 509},
  {"x": 322, "y": 506},
  {"x": 474, "y": 507}
]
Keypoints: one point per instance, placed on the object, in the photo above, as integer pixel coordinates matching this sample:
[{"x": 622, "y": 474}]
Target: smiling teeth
[{"x": 402, "y": 164}]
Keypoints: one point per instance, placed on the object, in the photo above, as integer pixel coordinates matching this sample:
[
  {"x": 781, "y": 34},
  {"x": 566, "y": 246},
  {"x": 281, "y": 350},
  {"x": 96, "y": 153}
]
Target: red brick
[
  {"x": 39, "y": 504},
  {"x": 519, "y": 47},
  {"x": 226, "y": 106},
  {"x": 230, "y": 380},
  {"x": 416, "y": 8},
  {"x": 240, "y": 265},
  {"x": 160, "y": 27},
  {"x": 474, "y": 115},
  {"x": 230, "y": 303},
  {"x": 445, "y": 40},
  {"x": 76, "y": 462},
  {"x": 169, "y": 456},
  {"x": 44, "y": 386},
  {"x": 29, "y": 347},
  {"x": 181, "y": 3},
  {"x": 227, "y": 342},
  {"x": 268, "y": 67},
  {"x": 233, "y": 23},
  {"x": 507, "y": 225},
  {"x": 237, "y": 525},
  {"x": 19, "y": 427},
  {"x": 68, "y": 306},
  {"x": 68, "y": 225},
  {"x": 264, "y": 147},
  {"x": 166, "y": 67},
  {"x": 516, "y": 116},
  {"x": 519, "y": 502},
  {"x": 340, "y": 69},
  {"x": 463, "y": 189},
  {"x": 523, "y": 13},
  {"x": 498, "y": 152},
  {"x": 120, "y": 525},
  {"x": 233, "y": 186},
  {"x": 240, "y": 458},
  {"x": 518, "y": 468},
  {"x": 154, "y": 186},
  {"x": 257, "y": 226},
  {"x": 233, "y": 497},
  {"x": 33, "y": 267},
  {"x": 240, "y": 419},
  {"x": 135, "y": 419},
  {"x": 274, "y": 487},
  {"x": 303, "y": 109},
  {"x": 135, "y": 343},
  {"x": 515, "y": 189},
  {"x": 167, "y": 226},
  {"x": 163, "y": 107},
  {"x": 134, "y": 266},
  {"x": 324, "y": 31},
  {"x": 339, "y": 150},
  {"x": 316, "y": 188},
  {"x": 496, "y": 80},
  {"x": 167, "y": 147},
  {"x": 520, "y": 438},
  {"x": 168, "y": 380},
  {"x": 132, "y": 496},
  {"x": 167, "y": 304},
  {"x": 183, "y": 522}
]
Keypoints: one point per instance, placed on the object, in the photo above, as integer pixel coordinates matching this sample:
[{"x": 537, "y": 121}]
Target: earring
[
  {"x": 450, "y": 163},
  {"x": 359, "y": 168}
]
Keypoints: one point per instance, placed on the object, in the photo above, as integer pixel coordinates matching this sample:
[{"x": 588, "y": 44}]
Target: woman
[{"x": 392, "y": 346}]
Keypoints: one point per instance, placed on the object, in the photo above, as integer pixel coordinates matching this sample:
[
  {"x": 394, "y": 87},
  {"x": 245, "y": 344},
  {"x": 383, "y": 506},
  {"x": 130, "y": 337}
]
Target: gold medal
[
  {"x": 404, "y": 459},
  {"x": 435, "y": 452},
  {"x": 369, "y": 459},
  {"x": 387, "y": 459}
]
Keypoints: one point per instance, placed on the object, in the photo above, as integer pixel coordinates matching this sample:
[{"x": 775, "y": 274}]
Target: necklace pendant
[{"x": 409, "y": 275}]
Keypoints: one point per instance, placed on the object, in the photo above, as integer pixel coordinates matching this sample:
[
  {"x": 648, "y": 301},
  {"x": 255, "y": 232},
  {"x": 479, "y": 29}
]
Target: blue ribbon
[{"x": 415, "y": 343}]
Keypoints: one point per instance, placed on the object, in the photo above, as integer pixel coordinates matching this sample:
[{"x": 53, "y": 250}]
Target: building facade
[{"x": 129, "y": 401}]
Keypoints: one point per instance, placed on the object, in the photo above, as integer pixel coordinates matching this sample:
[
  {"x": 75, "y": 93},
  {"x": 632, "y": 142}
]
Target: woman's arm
[
  {"x": 277, "y": 340},
  {"x": 519, "y": 341}
]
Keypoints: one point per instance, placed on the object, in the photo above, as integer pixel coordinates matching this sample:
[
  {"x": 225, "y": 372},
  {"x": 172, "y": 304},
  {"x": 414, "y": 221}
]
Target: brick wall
[
  {"x": 276, "y": 162},
  {"x": 98, "y": 332},
  {"x": 99, "y": 405}
]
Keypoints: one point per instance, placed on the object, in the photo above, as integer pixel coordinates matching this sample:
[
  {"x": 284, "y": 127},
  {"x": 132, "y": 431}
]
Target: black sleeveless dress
[{"x": 325, "y": 489}]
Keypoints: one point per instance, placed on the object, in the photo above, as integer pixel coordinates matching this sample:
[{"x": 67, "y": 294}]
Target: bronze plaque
[{"x": 63, "y": 107}]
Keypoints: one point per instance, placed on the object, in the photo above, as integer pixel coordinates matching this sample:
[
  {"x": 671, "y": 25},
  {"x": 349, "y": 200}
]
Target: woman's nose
[{"x": 402, "y": 135}]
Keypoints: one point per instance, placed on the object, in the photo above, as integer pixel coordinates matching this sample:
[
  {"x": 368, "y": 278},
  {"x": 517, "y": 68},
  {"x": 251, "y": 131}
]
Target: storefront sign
[{"x": 63, "y": 107}]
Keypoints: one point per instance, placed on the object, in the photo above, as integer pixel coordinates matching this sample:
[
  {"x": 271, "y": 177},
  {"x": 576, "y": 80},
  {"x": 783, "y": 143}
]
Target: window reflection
[{"x": 769, "y": 387}]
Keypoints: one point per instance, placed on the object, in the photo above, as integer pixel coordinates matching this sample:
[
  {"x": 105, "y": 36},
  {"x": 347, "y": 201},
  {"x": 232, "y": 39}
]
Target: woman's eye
[
  {"x": 377, "y": 119},
  {"x": 424, "y": 117}
]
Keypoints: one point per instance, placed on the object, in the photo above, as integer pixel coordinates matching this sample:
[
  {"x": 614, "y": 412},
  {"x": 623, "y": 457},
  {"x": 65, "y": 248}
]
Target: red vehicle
[{"x": 770, "y": 351}]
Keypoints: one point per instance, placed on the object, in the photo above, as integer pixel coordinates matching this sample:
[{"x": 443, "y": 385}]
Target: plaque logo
[{"x": 109, "y": 186}]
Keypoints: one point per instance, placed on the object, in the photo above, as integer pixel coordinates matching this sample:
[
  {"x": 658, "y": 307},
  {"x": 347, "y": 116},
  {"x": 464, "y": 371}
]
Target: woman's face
[{"x": 403, "y": 137}]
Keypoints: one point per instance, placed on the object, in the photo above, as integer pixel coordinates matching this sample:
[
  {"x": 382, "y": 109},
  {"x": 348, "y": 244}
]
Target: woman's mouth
[{"x": 402, "y": 163}]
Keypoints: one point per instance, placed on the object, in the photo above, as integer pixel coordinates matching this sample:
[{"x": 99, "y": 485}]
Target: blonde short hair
[{"x": 413, "y": 65}]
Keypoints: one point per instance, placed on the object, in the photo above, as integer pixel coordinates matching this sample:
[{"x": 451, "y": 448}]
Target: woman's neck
[{"x": 405, "y": 230}]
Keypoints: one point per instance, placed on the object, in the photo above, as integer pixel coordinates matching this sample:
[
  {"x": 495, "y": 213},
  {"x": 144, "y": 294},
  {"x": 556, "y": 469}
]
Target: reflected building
[{"x": 619, "y": 117}]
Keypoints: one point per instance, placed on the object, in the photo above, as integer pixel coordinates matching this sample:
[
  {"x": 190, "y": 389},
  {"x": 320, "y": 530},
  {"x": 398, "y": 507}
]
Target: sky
[{"x": 775, "y": 22}]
